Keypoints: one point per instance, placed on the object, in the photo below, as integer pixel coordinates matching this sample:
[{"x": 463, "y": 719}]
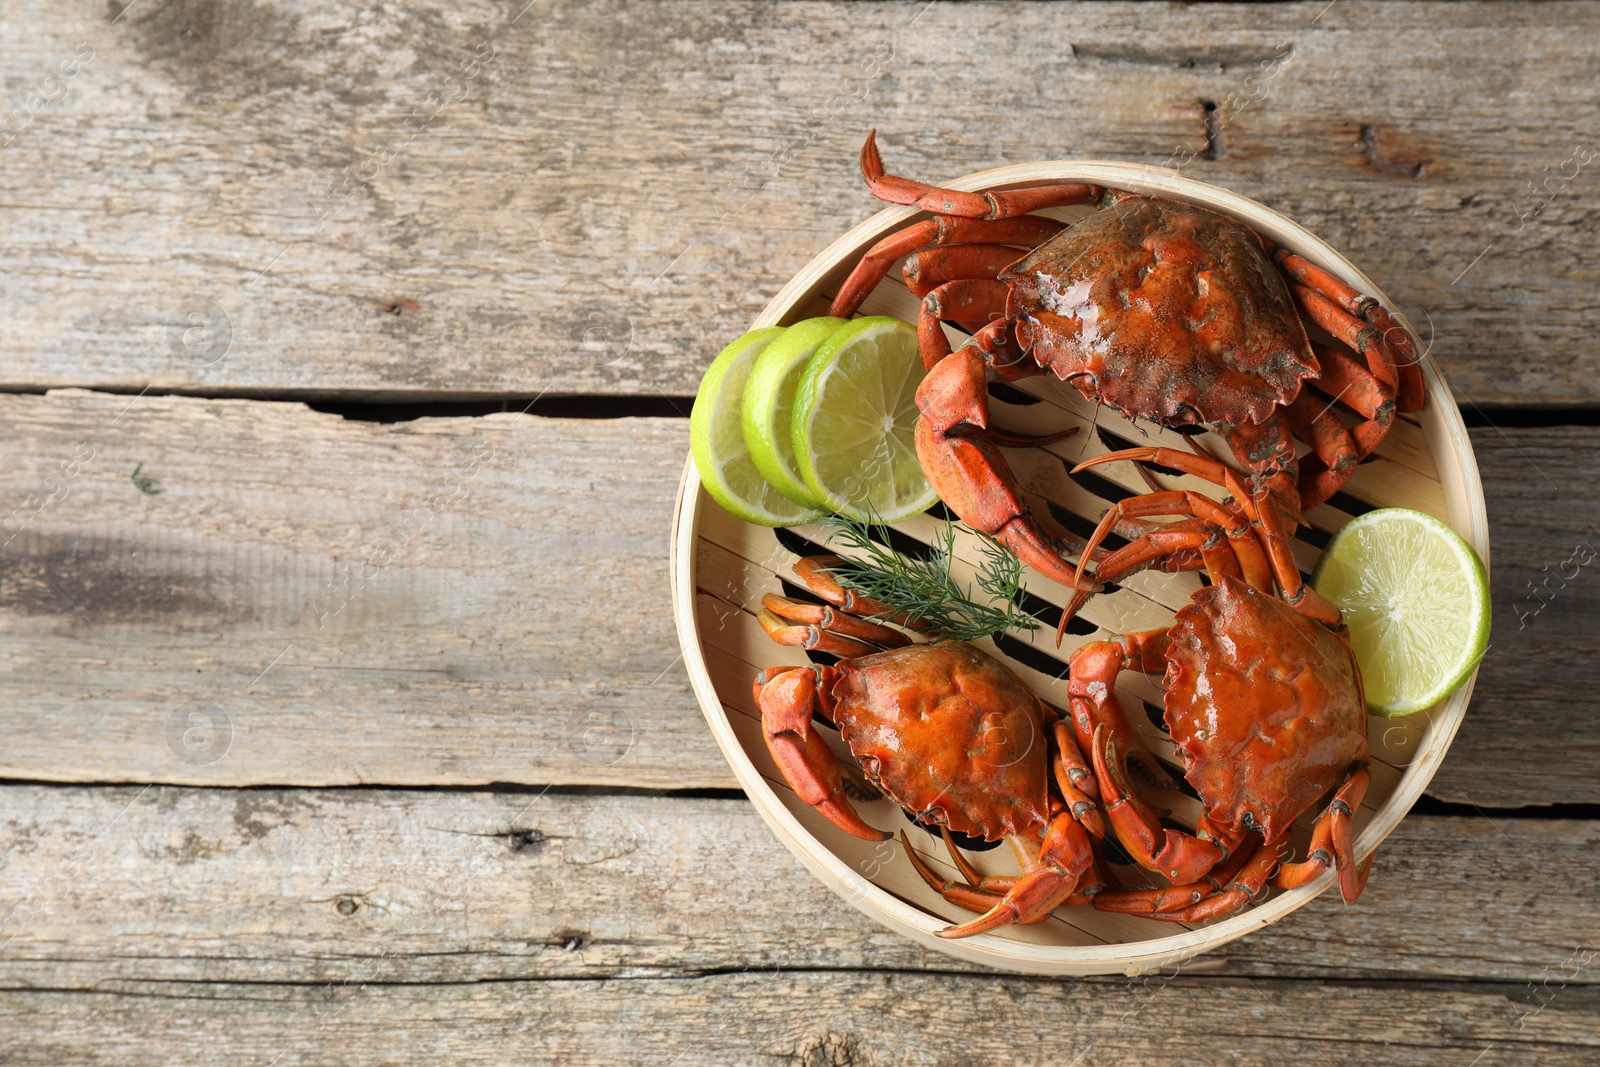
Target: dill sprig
[{"x": 924, "y": 589}]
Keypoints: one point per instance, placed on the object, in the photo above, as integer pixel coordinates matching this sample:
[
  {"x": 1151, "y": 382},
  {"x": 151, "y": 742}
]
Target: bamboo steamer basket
[{"x": 722, "y": 566}]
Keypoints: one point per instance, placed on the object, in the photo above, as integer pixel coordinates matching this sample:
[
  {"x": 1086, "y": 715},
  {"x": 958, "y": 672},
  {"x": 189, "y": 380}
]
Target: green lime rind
[
  {"x": 716, "y": 440},
  {"x": 1415, "y": 598},
  {"x": 769, "y": 403},
  {"x": 854, "y": 422}
]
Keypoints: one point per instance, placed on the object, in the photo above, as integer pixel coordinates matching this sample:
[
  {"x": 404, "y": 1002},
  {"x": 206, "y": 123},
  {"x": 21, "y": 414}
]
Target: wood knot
[
  {"x": 399, "y": 305},
  {"x": 571, "y": 940},
  {"x": 347, "y": 906},
  {"x": 831, "y": 1050},
  {"x": 1380, "y": 160},
  {"x": 1216, "y": 147},
  {"x": 526, "y": 841}
]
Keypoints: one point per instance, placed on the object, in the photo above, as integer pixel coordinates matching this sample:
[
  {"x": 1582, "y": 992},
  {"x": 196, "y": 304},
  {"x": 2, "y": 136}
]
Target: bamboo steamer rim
[{"x": 1467, "y": 515}]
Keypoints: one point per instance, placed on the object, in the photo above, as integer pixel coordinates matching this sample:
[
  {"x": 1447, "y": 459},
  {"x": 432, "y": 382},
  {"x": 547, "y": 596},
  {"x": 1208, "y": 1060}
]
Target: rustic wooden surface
[
  {"x": 550, "y": 218},
  {"x": 366, "y": 741}
]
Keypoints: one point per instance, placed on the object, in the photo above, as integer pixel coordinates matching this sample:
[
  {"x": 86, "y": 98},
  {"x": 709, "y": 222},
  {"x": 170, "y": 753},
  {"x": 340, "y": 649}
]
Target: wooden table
[{"x": 347, "y": 352}]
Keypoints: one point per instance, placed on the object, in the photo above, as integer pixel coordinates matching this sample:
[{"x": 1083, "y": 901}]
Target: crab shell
[
  {"x": 1264, "y": 704},
  {"x": 1165, "y": 311},
  {"x": 950, "y": 734}
]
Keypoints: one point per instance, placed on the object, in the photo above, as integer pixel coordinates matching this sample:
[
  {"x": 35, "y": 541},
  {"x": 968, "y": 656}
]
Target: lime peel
[
  {"x": 854, "y": 422},
  {"x": 716, "y": 439},
  {"x": 1415, "y": 598},
  {"x": 769, "y": 402}
]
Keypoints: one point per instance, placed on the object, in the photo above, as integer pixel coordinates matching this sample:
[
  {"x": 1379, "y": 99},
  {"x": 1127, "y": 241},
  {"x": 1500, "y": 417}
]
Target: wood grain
[
  {"x": 828, "y": 1019},
  {"x": 310, "y": 600},
  {"x": 171, "y": 884},
  {"x": 270, "y": 200},
  {"x": 306, "y": 198},
  {"x": 520, "y": 632}
]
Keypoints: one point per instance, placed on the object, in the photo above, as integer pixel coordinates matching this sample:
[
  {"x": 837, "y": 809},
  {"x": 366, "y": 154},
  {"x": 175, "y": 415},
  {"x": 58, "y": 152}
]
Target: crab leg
[
  {"x": 1284, "y": 569},
  {"x": 815, "y": 572},
  {"x": 1362, "y": 337},
  {"x": 1172, "y": 853},
  {"x": 1331, "y": 842},
  {"x": 971, "y": 303},
  {"x": 1067, "y": 853},
  {"x": 1027, "y": 231},
  {"x": 1251, "y": 560},
  {"x": 983, "y": 892},
  {"x": 1365, "y": 307},
  {"x": 965, "y": 466},
  {"x": 1244, "y": 887},
  {"x": 826, "y": 619},
  {"x": 1335, "y": 453},
  {"x": 993, "y": 205},
  {"x": 1351, "y": 384},
  {"x": 962, "y": 894},
  {"x": 934, "y": 266},
  {"x": 787, "y": 696},
  {"x": 1076, "y": 780},
  {"x": 1153, "y": 546},
  {"x": 1177, "y": 897},
  {"x": 809, "y": 637},
  {"x": 968, "y": 871}
]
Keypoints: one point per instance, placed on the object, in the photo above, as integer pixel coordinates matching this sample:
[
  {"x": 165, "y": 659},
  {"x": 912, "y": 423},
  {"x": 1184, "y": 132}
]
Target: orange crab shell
[
  {"x": 1163, "y": 310},
  {"x": 1265, "y": 706},
  {"x": 950, "y": 734}
]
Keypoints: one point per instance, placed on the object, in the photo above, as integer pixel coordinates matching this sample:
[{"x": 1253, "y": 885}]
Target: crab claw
[
  {"x": 966, "y": 469},
  {"x": 1173, "y": 853},
  {"x": 787, "y": 696}
]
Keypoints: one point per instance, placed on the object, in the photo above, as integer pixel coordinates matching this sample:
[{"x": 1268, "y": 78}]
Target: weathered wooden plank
[
  {"x": 821, "y": 1018},
  {"x": 305, "y": 886},
  {"x": 519, "y": 634},
  {"x": 1540, "y": 680},
  {"x": 591, "y": 197},
  {"x": 310, "y": 600}
]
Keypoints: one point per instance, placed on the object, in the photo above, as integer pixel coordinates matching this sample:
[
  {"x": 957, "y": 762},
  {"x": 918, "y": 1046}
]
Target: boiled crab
[
  {"x": 1167, "y": 312},
  {"x": 1264, "y": 703},
  {"x": 946, "y": 731}
]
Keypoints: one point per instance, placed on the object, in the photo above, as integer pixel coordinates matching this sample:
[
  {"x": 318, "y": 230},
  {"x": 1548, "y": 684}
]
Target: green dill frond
[{"x": 924, "y": 591}]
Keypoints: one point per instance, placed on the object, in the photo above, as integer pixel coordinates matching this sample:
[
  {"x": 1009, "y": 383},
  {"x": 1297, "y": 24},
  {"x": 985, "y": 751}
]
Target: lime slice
[
  {"x": 717, "y": 440},
  {"x": 855, "y": 417},
  {"x": 769, "y": 400},
  {"x": 1416, "y": 599}
]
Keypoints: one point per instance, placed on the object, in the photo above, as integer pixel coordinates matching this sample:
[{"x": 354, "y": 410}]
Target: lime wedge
[
  {"x": 717, "y": 440},
  {"x": 769, "y": 401},
  {"x": 854, "y": 422},
  {"x": 1416, "y": 599}
]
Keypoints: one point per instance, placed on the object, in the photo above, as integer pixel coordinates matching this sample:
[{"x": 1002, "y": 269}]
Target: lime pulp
[
  {"x": 1415, "y": 598},
  {"x": 854, "y": 422},
  {"x": 716, "y": 439}
]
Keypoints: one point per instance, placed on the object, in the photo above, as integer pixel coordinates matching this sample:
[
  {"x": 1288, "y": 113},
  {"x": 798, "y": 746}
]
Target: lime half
[
  {"x": 717, "y": 440},
  {"x": 1416, "y": 599},
  {"x": 855, "y": 418},
  {"x": 769, "y": 402}
]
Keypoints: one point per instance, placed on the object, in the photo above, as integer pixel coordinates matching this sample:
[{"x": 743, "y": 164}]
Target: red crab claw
[
  {"x": 1173, "y": 853},
  {"x": 787, "y": 696},
  {"x": 965, "y": 467}
]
